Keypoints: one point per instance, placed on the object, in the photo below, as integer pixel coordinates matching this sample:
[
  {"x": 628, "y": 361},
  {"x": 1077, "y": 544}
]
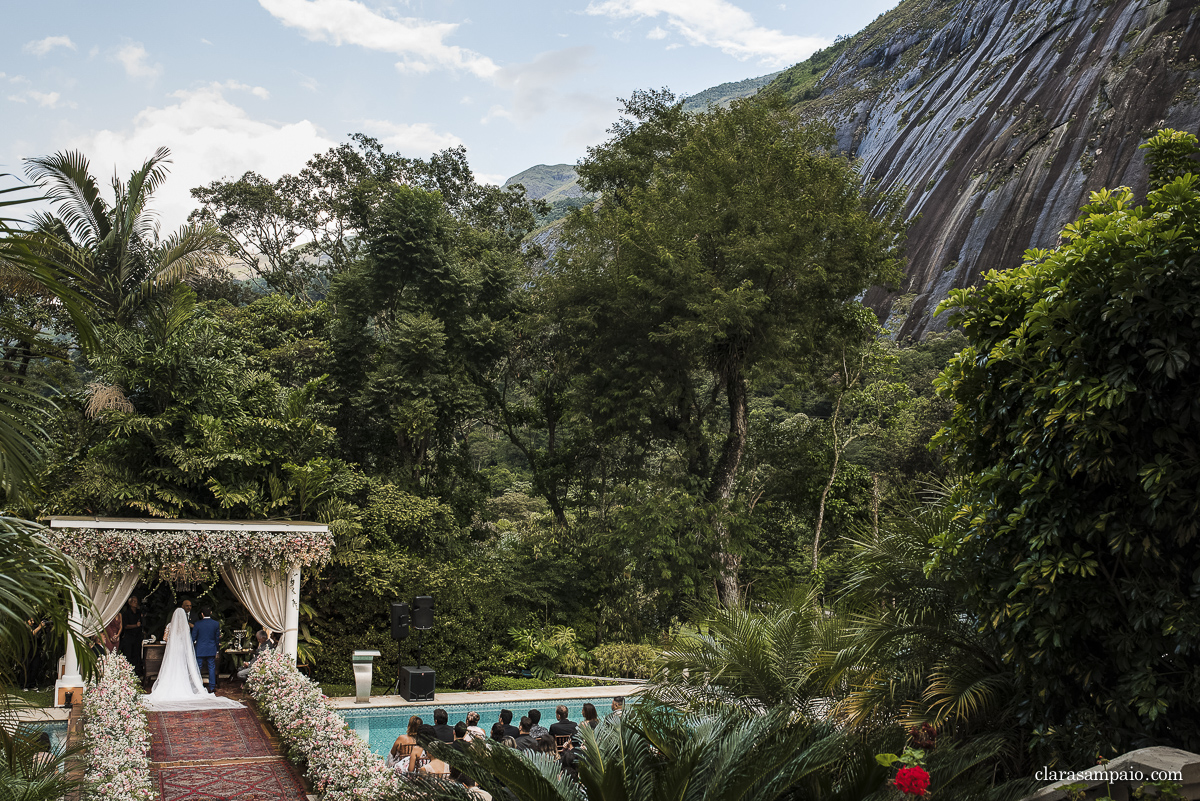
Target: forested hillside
[{"x": 668, "y": 437}]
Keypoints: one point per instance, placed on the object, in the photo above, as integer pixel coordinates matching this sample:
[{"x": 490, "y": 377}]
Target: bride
[{"x": 178, "y": 686}]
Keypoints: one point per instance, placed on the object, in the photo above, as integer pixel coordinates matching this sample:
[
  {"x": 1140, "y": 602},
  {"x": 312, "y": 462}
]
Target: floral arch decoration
[
  {"x": 260, "y": 560},
  {"x": 182, "y": 547}
]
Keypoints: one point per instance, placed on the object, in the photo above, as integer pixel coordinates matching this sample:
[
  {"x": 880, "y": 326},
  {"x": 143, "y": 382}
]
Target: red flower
[{"x": 912, "y": 781}]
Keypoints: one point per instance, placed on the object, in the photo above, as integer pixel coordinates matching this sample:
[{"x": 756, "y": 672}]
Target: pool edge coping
[{"x": 496, "y": 697}]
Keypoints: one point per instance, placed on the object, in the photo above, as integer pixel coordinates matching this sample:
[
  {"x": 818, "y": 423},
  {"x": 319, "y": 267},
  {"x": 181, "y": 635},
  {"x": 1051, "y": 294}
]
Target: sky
[{"x": 230, "y": 86}]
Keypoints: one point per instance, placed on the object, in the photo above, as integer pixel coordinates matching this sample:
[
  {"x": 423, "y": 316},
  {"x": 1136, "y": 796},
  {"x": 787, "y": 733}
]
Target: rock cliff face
[{"x": 1000, "y": 117}]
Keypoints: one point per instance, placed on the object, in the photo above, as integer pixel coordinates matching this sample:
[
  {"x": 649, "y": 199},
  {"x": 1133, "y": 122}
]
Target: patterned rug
[
  {"x": 206, "y": 735},
  {"x": 261, "y": 781}
]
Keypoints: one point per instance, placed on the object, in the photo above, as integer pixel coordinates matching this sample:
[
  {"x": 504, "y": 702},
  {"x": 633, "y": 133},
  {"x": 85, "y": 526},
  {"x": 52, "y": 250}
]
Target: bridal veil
[{"x": 178, "y": 687}]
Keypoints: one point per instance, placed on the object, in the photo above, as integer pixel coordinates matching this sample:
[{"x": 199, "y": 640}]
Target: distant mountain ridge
[
  {"x": 555, "y": 182},
  {"x": 726, "y": 93},
  {"x": 549, "y": 182}
]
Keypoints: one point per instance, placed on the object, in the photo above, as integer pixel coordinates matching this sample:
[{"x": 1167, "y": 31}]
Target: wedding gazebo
[{"x": 259, "y": 560}]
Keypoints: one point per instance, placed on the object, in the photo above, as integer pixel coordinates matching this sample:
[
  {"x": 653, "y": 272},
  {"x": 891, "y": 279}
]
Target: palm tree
[
  {"x": 655, "y": 752},
  {"x": 115, "y": 252},
  {"x": 753, "y": 655},
  {"x": 37, "y": 581}
]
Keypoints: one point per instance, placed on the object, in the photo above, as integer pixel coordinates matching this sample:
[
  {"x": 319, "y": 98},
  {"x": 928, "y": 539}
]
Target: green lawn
[
  {"x": 35, "y": 697},
  {"x": 347, "y": 690}
]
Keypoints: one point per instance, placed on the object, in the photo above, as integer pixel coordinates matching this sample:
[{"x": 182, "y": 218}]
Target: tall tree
[
  {"x": 300, "y": 231},
  {"x": 114, "y": 251},
  {"x": 728, "y": 245},
  {"x": 419, "y": 323},
  {"x": 1076, "y": 423}
]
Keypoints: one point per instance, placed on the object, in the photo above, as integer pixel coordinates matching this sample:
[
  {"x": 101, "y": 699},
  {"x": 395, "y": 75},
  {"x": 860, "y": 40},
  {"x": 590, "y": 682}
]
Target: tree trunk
[
  {"x": 724, "y": 477},
  {"x": 837, "y": 455}
]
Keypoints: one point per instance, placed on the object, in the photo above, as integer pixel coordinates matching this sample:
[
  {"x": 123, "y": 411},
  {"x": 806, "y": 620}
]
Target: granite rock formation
[{"x": 1000, "y": 117}]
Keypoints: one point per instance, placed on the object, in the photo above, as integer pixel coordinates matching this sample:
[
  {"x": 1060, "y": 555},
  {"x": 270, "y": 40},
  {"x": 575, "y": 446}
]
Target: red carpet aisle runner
[
  {"x": 263, "y": 781},
  {"x": 211, "y": 734},
  {"x": 218, "y": 755}
]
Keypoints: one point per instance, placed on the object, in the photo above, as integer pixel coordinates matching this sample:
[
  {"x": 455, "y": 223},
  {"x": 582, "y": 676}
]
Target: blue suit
[{"x": 206, "y": 636}]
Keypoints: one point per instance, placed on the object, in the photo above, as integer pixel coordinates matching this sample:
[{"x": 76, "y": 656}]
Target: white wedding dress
[{"x": 178, "y": 687}]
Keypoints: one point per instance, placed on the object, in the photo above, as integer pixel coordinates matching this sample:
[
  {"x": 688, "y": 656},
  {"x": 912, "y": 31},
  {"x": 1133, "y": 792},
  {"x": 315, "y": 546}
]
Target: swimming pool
[
  {"x": 56, "y": 729},
  {"x": 379, "y": 728}
]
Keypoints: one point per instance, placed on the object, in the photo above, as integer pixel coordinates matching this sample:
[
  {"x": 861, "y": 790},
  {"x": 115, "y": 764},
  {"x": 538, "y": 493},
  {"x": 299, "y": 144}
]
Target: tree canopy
[
  {"x": 730, "y": 245},
  {"x": 1076, "y": 423}
]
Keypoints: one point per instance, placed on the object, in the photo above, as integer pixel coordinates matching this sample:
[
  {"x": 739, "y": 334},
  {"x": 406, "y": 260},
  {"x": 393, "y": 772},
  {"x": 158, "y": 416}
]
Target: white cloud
[
  {"x": 204, "y": 41},
  {"x": 416, "y": 140},
  {"x": 419, "y": 42},
  {"x": 41, "y": 47},
  {"x": 536, "y": 90},
  {"x": 716, "y": 23},
  {"x": 210, "y": 138},
  {"x": 136, "y": 61},
  {"x": 533, "y": 84},
  {"x": 490, "y": 178},
  {"x": 43, "y": 99},
  {"x": 496, "y": 112},
  {"x": 657, "y": 33}
]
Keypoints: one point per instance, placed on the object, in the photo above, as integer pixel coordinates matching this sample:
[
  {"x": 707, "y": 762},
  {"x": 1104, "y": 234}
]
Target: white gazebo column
[
  {"x": 291, "y": 614},
  {"x": 70, "y": 681}
]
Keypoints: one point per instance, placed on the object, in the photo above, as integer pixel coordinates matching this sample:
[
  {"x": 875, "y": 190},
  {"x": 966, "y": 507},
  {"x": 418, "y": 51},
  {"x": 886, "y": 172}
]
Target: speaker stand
[{"x": 400, "y": 661}]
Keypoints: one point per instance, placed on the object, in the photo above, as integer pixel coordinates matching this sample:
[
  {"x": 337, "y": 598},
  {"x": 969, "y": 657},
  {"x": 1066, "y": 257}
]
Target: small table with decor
[
  {"x": 237, "y": 659},
  {"x": 152, "y": 656}
]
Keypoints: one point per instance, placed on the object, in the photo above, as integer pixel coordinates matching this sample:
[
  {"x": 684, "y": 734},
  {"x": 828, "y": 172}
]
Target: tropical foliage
[
  {"x": 1075, "y": 422},
  {"x": 112, "y": 251},
  {"x": 676, "y": 447}
]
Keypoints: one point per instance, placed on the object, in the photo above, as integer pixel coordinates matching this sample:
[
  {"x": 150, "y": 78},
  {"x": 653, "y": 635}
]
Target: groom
[{"x": 206, "y": 636}]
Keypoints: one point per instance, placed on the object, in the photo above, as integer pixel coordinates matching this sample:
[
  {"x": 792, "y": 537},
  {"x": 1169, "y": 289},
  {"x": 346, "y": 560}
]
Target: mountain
[
  {"x": 725, "y": 93},
  {"x": 1000, "y": 117},
  {"x": 554, "y": 182},
  {"x": 549, "y": 182}
]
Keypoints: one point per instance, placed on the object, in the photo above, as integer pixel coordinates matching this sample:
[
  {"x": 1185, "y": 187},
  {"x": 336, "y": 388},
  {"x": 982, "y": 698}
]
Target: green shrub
[
  {"x": 623, "y": 660},
  {"x": 508, "y": 683},
  {"x": 475, "y": 607}
]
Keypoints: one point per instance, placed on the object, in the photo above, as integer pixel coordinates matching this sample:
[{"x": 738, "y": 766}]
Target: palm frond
[{"x": 70, "y": 184}]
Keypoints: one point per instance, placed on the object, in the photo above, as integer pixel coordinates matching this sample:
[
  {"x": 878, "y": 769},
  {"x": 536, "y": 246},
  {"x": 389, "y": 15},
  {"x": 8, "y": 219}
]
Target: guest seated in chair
[
  {"x": 525, "y": 740},
  {"x": 564, "y": 727},
  {"x": 473, "y": 730},
  {"x": 404, "y": 746},
  {"x": 427, "y": 763},
  {"x": 472, "y": 788},
  {"x": 264, "y": 646},
  {"x": 537, "y": 729}
]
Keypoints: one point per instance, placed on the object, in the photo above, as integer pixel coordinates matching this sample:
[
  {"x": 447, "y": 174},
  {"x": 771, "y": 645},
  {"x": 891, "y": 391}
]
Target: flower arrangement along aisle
[
  {"x": 337, "y": 762},
  {"x": 116, "y": 735}
]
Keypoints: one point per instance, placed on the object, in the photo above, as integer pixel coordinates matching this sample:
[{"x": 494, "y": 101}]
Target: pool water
[
  {"x": 56, "y": 730},
  {"x": 379, "y": 728}
]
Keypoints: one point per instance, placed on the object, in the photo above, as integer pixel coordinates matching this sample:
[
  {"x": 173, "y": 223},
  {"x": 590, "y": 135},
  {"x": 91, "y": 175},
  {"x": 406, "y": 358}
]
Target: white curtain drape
[
  {"x": 109, "y": 593},
  {"x": 263, "y": 592}
]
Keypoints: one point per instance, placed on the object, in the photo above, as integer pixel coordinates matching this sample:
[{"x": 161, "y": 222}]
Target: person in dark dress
[
  {"x": 132, "y": 635},
  {"x": 35, "y": 663}
]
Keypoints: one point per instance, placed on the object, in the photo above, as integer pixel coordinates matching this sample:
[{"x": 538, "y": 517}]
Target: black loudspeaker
[
  {"x": 399, "y": 621},
  {"x": 422, "y": 613},
  {"x": 417, "y": 683}
]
